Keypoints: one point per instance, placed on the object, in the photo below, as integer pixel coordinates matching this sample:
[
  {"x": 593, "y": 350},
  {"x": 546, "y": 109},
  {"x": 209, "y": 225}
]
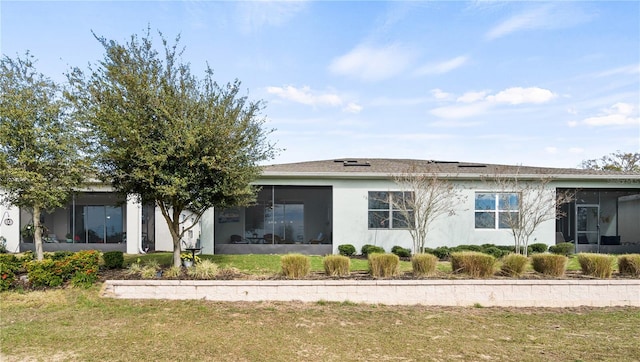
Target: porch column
[{"x": 134, "y": 225}]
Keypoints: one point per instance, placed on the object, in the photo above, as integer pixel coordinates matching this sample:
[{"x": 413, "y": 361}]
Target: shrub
[
  {"x": 476, "y": 264},
  {"x": 59, "y": 255},
  {"x": 149, "y": 271},
  {"x": 7, "y": 275},
  {"x": 370, "y": 249},
  {"x": 113, "y": 259},
  {"x": 45, "y": 273},
  {"x": 336, "y": 265},
  {"x": 383, "y": 265},
  {"x": 11, "y": 261},
  {"x": 401, "y": 252},
  {"x": 629, "y": 264},
  {"x": 514, "y": 264},
  {"x": 134, "y": 269},
  {"x": 424, "y": 264},
  {"x": 442, "y": 252},
  {"x": 205, "y": 269},
  {"x": 346, "y": 249},
  {"x": 295, "y": 265},
  {"x": 565, "y": 249},
  {"x": 549, "y": 264},
  {"x": 538, "y": 248},
  {"x": 493, "y": 251},
  {"x": 476, "y": 248},
  {"x": 597, "y": 265}
]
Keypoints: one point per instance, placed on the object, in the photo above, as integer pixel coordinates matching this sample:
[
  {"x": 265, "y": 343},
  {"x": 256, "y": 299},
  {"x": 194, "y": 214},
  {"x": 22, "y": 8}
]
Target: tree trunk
[
  {"x": 37, "y": 233},
  {"x": 177, "y": 248}
]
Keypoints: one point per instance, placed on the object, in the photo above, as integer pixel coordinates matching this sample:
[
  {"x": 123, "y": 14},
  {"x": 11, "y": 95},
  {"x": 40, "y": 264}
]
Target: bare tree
[
  {"x": 526, "y": 202},
  {"x": 424, "y": 197}
]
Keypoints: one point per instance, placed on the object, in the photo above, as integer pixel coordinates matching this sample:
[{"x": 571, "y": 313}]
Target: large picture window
[
  {"x": 390, "y": 210},
  {"x": 496, "y": 210}
]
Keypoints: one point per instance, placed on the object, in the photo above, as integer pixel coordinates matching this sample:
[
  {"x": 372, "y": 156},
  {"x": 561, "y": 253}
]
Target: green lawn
[
  {"x": 261, "y": 264},
  {"x": 78, "y": 325}
]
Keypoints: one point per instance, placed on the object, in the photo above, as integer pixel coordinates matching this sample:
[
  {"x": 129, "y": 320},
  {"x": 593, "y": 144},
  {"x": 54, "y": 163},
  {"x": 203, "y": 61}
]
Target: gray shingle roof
[{"x": 385, "y": 166}]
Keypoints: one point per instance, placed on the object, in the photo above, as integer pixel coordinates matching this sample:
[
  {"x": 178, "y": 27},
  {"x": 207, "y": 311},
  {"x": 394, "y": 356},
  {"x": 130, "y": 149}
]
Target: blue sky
[{"x": 532, "y": 83}]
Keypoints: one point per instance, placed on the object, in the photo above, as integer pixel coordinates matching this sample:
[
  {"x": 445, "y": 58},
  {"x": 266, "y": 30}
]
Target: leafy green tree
[
  {"x": 616, "y": 161},
  {"x": 41, "y": 159},
  {"x": 187, "y": 144}
]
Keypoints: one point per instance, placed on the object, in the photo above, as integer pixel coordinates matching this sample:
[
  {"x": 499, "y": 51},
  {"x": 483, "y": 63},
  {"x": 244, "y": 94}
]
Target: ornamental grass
[
  {"x": 629, "y": 264},
  {"x": 514, "y": 265},
  {"x": 476, "y": 264},
  {"x": 205, "y": 269},
  {"x": 295, "y": 266},
  {"x": 384, "y": 265},
  {"x": 597, "y": 265},
  {"x": 424, "y": 264},
  {"x": 550, "y": 264},
  {"x": 336, "y": 265}
]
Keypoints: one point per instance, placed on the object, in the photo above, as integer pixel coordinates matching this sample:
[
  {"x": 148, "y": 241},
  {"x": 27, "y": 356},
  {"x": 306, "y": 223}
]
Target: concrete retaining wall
[{"x": 503, "y": 293}]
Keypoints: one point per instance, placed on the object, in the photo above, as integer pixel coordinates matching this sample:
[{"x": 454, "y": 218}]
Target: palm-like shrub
[
  {"x": 514, "y": 264},
  {"x": 424, "y": 264},
  {"x": 336, "y": 265},
  {"x": 295, "y": 266},
  {"x": 384, "y": 265},
  {"x": 476, "y": 264},
  {"x": 597, "y": 265},
  {"x": 550, "y": 264}
]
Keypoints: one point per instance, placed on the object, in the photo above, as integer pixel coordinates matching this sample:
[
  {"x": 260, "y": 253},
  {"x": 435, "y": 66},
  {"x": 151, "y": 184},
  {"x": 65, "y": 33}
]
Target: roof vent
[
  {"x": 472, "y": 166},
  {"x": 353, "y": 163}
]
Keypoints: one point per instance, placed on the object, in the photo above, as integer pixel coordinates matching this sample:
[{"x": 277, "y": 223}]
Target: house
[{"x": 312, "y": 207}]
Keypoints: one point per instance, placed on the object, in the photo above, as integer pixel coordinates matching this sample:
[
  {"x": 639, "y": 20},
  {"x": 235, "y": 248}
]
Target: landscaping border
[{"x": 468, "y": 292}]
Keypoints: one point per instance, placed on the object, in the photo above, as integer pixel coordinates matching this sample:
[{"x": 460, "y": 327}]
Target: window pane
[
  {"x": 485, "y": 220},
  {"x": 378, "y": 219},
  {"x": 378, "y": 200},
  {"x": 508, "y": 201},
  {"x": 507, "y": 220},
  {"x": 485, "y": 201},
  {"x": 400, "y": 219},
  {"x": 402, "y": 200}
]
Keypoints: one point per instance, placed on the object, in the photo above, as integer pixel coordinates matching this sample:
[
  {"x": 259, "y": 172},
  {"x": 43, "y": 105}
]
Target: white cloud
[
  {"x": 628, "y": 69},
  {"x": 352, "y": 108},
  {"x": 620, "y": 114},
  {"x": 552, "y": 150},
  {"x": 471, "y": 97},
  {"x": 255, "y": 15},
  {"x": 460, "y": 111},
  {"x": 305, "y": 95},
  {"x": 372, "y": 63},
  {"x": 439, "y": 94},
  {"x": 552, "y": 16},
  {"x": 442, "y": 67},
  {"x": 519, "y": 95}
]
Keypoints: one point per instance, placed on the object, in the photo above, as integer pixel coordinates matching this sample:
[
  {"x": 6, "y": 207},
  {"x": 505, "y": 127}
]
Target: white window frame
[{"x": 496, "y": 210}]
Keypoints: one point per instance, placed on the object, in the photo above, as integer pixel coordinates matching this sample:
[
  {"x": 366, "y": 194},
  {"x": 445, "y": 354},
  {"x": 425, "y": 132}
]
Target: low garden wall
[{"x": 487, "y": 293}]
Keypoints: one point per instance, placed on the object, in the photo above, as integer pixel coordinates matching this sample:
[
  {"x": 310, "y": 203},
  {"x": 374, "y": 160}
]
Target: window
[
  {"x": 390, "y": 210},
  {"x": 495, "y": 210}
]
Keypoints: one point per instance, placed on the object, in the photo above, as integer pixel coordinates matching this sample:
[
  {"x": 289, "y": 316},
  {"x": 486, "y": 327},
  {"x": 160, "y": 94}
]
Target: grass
[
  {"x": 78, "y": 325},
  {"x": 257, "y": 264}
]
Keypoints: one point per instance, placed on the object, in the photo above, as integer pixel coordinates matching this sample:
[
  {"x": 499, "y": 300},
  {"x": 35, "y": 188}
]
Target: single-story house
[{"x": 313, "y": 207}]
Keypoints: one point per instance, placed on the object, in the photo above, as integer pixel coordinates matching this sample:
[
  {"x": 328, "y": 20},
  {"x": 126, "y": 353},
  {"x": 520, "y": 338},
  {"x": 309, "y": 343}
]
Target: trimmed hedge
[
  {"x": 565, "y": 249},
  {"x": 346, "y": 249},
  {"x": 401, "y": 252},
  {"x": 370, "y": 249}
]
